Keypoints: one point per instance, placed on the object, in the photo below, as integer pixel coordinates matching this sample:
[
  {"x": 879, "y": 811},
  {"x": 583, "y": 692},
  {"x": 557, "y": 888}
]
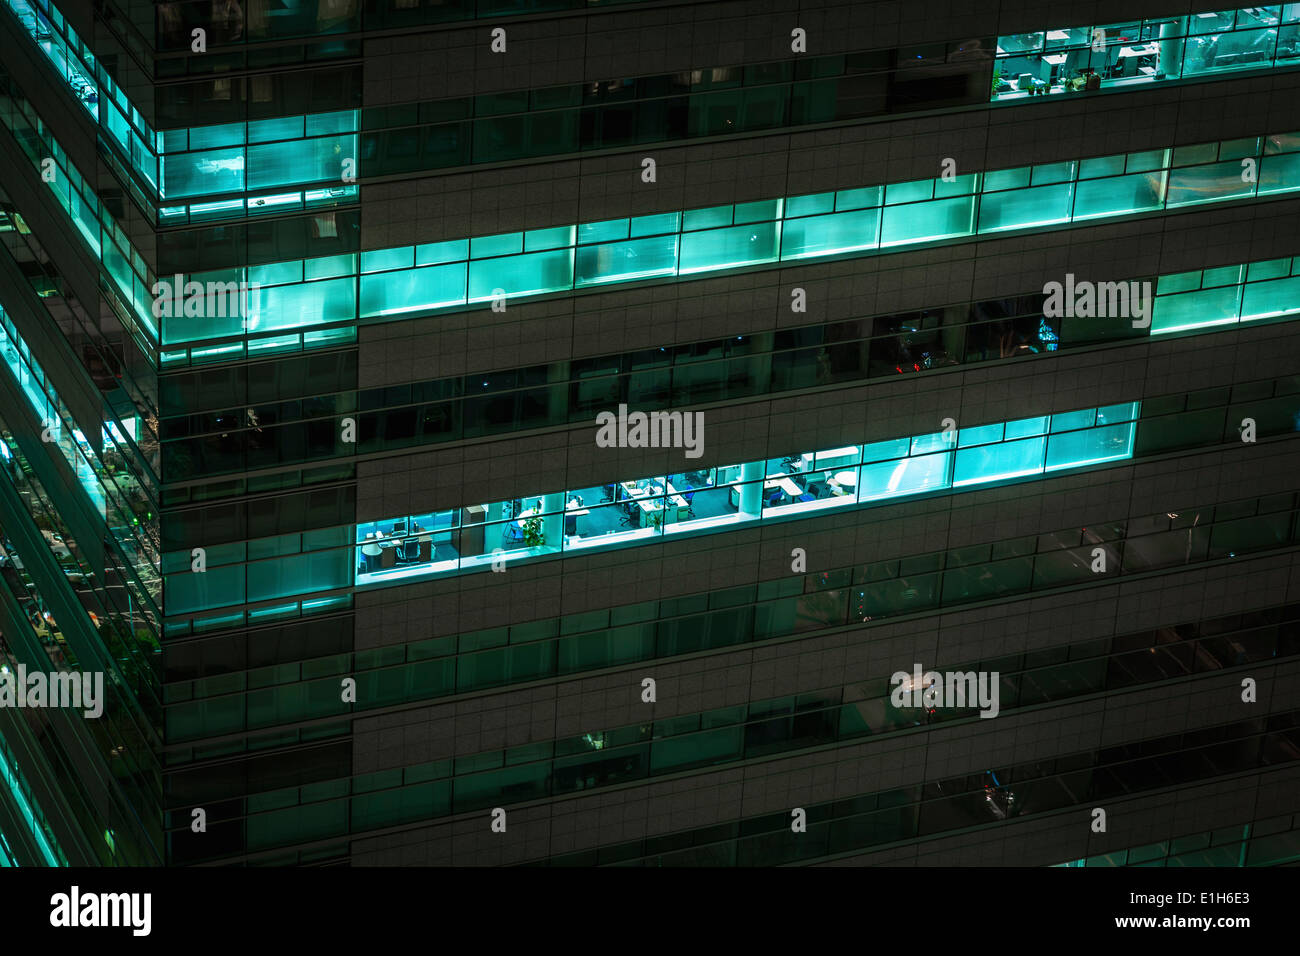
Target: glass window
[
  {"x": 1201, "y": 184},
  {"x": 1026, "y": 427},
  {"x": 1022, "y": 208},
  {"x": 1090, "y": 446},
  {"x": 934, "y": 220},
  {"x": 603, "y": 231},
  {"x": 982, "y": 435},
  {"x": 919, "y": 191},
  {"x": 809, "y": 205},
  {"x": 1001, "y": 462},
  {"x": 858, "y": 198},
  {"x": 427, "y": 288},
  {"x": 525, "y": 274},
  {"x": 728, "y": 248},
  {"x": 714, "y": 218},
  {"x": 626, "y": 261},
  {"x": 829, "y": 234},
  {"x": 1119, "y": 195},
  {"x": 507, "y": 244},
  {"x": 903, "y": 477}
]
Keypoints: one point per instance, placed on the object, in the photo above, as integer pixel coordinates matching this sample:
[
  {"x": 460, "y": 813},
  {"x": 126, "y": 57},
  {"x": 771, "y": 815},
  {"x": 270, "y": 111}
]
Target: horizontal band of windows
[
  {"x": 252, "y": 435},
  {"x": 334, "y": 291},
  {"x": 792, "y": 607},
  {"x": 853, "y": 834},
  {"x": 1139, "y": 52},
  {"x": 1181, "y": 421},
  {"x": 475, "y": 662},
  {"x": 538, "y": 771},
  {"x": 1271, "y": 842},
  {"x": 726, "y": 497},
  {"x": 1022, "y": 792},
  {"x": 317, "y": 562},
  {"x": 540, "y": 650},
  {"x": 321, "y": 19},
  {"x": 416, "y": 150},
  {"x": 467, "y": 540},
  {"x": 639, "y": 511},
  {"x": 419, "y": 279},
  {"x": 670, "y": 107}
]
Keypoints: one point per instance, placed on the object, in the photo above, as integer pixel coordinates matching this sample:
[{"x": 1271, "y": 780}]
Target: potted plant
[{"x": 534, "y": 536}]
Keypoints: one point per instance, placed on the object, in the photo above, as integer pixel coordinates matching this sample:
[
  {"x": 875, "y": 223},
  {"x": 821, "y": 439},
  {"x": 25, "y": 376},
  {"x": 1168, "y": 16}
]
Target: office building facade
[{"x": 577, "y": 433}]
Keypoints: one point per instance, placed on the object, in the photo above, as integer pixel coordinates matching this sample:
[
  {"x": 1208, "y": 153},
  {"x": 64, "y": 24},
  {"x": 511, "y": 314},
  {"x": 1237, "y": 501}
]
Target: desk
[
  {"x": 524, "y": 516},
  {"x": 785, "y": 484},
  {"x": 676, "y": 496},
  {"x": 1150, "y": 49},
  {"x": 648, "y": 498},
  {"x": 843, "y": 483},
  {"x": 575, "y": 509},
  {"x": 378, "y": 541},
  {"x": 1058, "y": 34},
  {"x": 1056, "y": 59}
]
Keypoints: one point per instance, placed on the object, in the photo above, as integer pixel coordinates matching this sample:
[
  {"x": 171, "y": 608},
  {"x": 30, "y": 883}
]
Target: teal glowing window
[
  {"x": 561, "y": 259},
  {"x": 634, "y": 512},
  {"x": 1136, "y": 53},
  {"x": 30, "y": 814},
  {"x": 282, "y": 151},
  {"x": 109, "y": 492},
  {"x": 639, "y": 511}
]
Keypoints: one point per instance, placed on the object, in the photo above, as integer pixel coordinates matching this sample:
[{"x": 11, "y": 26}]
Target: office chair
[
  {"x": 690, "y": 507},
  {"x": 774, "y": 498},
  {"x": 514, "y": 532},
  {"x": 629, "y": 513}
]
